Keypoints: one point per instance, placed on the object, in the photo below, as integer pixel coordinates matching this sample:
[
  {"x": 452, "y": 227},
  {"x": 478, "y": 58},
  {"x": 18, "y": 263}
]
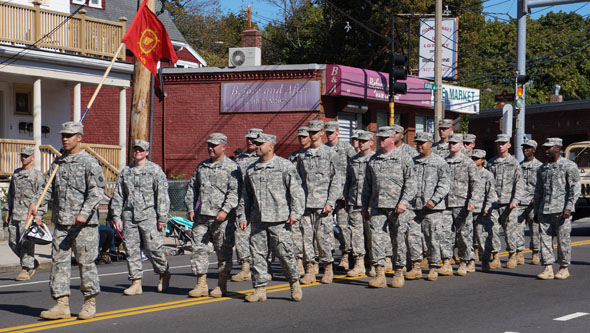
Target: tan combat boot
[
  {"x": 61, "y": 310},
  {"x": 471, "y": 266},
  {"x": 300, "y": 267},
  {"x": 398, "y": 280},
  {"x": 432, "y": 274},
  {"x": 424, "y": 263},
  {"x": 344, "y": 262},
  {"x": 134, "y": 289},
  {"x": 88, "y": 308},
  {"x": 359, "y": 267},
  {"x": 164, "y": 282},
  {"x": 201, "y": 289},
  {"x": 446, "y": 269},
  {"x": 415, "y": 272},
  {"x": 511, "y": 263},
  {"x": 259, "y": 295},
  {"x": 519, "y": 257},
  {"x": 388, "y": 265},
  {"x": 221, "y": 288},
  {"x": 379, "y": 280},
  {"x": 547, "y": 274},
  {"x": 562, "y": 274},
  {"x": 496, "y": 264},
  {"x": 296, "y": 293},
  {"x": 309, "y": 276},
  {"x": 316, "y": 268},
  {"x": 328, "y": 273},
  {"x": 23, "y": 275},
  {"x": 244, "y": 274},
  {"x": 477, "y": 254},
  {"x": 462, "y": 270},
  {"x": 372, "y": 272},
  {"x": 536, "y": 260}
]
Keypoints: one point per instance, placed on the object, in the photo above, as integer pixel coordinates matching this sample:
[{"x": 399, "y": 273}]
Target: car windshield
[{"x": 581, "y": 156}]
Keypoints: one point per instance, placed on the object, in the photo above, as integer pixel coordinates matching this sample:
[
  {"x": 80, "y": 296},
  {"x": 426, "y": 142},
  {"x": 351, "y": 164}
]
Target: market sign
[
  {"x": 459, "y": 99},
  {"x": 270, "y": 96},
  {"x": 449, "y": 48}
]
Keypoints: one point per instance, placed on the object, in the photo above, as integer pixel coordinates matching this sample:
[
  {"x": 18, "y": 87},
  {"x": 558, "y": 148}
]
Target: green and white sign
[{"x": 459, "y": 99}]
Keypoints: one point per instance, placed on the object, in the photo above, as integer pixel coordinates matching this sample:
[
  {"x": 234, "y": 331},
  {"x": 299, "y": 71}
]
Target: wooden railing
[
  {"x": 110, "y": 153},
  {"x": 10, "y": 155},
  {"x": 111, "y": 173},
  {"x": 78, "y": 34}
]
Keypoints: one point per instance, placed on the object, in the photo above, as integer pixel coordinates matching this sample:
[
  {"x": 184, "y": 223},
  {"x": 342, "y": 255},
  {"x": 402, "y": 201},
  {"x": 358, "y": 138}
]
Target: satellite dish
[{"x": 238, "y": 58}]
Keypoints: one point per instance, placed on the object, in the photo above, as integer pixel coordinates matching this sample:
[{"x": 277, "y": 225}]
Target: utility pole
[
  {"x": 520, "y": 70},
  {"x": 391, "y": 93},
  {"x": 439, "y": 112}
]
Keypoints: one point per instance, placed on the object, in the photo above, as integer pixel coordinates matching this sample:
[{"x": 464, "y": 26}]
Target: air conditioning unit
[{"x": 244, "y": 56}]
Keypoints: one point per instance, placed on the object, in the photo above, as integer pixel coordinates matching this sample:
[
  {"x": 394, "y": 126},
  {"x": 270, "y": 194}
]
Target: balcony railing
[{"x": 45, "y": 29}]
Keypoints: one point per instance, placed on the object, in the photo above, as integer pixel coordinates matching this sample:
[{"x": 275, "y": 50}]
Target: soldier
[
  {"x": 215, "y": 184},
  {"x": 304, "y": 142},
  {"x": 323, "y": 186},
  {"x": 242, "y": 237},
  {"x": 529, "y": 167},
  {"x": 461, "y": 200},
  {"x": 354, "y": 141},
  {"x": 508, "y": 176},
  {"x": 556, "y": 193},
  {"x": 399, "y": 141},
  {"x": 76, "y": 191},
  {"x": 344, "y": 152},
  {"x": 389, "y": 188},
  {"x": 353, "y": 192},
  {"x": 469, "y": 143},
  {"x": 482, "y": 223},
  {"x": 445, "y": 129},
  {"x": 25, "y": 182},
  {"x": 139, "y": 208},
  {"x": 272, "y": 200},
  {"x": 432, "y": 186}
]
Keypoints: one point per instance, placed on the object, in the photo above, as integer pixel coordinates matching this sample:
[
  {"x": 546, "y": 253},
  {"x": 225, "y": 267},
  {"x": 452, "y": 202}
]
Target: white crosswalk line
[{"x": 572, "y": 316}]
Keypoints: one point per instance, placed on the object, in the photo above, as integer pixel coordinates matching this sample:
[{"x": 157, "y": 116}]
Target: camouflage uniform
[
  {"x": 389, "y": 181},
  {"x": 271, "y": 194},
  {"x": 24, "y": 185},
  {"x": 557, "y": 189},
  {"x": 141, "y": 200},
  {"x": 77, "y": 189},
  {"x": 406, "y": 148},
  {"x": 525, "y": 205},
  {"x": 441, "y": 149},
  {"x": 215, "y": 184},
  {"x": 242, "y": 237},
  {"x": 483, "y": 224},
  {"x": 296, "y": 230}
]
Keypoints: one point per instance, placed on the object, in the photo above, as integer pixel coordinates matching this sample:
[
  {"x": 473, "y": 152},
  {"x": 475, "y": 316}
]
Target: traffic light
[
  {"x": 521, "y": 81},
  {"x": 397, "y": 71}
]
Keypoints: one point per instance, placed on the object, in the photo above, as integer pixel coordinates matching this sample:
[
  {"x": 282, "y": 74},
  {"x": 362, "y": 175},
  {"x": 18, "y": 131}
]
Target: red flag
[{"x": 148, "y": 40}]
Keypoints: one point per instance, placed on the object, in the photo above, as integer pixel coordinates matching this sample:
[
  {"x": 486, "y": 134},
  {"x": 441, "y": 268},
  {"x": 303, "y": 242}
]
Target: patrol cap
[
  {"x": 469, "y": 138},
  {"x": 365, "y": 135},
  {"x": 456, "y": 137},
  {"x": 332, "y": 126},
  {"x": 355, "y": 135},
  {"x": 253, "y": 133},
  {"x": 27, "y": 150},
  {"x": 302, "y": 131},
  {"x": 478, "y": 153},
  {"x": 385, "y": 131},
  {"x": 530, "y": 143},
  {"x": 141, "y": 144},
  {"x": 217, "y": 139},
  {"x": 503, "y": 138},
  {"x": 423, "y": 137},
  {"x": 264, "y": 137},
  {"x": 445, "y": 123},
  {"x": 72, "y": 127},
  {"x": 397, "y": 128},
  {"x": 315, "y": 125},
  {"x": 550, "y": 142}
]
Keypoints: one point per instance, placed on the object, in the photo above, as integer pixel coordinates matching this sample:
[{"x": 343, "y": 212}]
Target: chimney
[
  {"x": 557, "y": 98},
  {"x": 251, "y": 37}
]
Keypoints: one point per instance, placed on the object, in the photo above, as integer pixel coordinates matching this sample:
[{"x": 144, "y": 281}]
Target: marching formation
[{"x": 392, "y": 207}]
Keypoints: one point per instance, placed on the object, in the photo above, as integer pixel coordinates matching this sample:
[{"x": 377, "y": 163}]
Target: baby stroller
[{"x": 180, "y": 229}]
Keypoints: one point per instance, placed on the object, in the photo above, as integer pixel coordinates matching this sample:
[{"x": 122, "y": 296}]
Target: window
[
  {"x": 383, "y": 119},
  {"x": 424, "y": 124},
  {"x": 89, "y": 3}
]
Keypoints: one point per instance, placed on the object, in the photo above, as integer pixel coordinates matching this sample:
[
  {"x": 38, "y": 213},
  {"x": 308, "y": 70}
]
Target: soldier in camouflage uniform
[
  {"x": 344, "y": 152},
  {"x": 354, "y": 141},
  {"x": 400, "y": 144},
  {"x": 530, "y": 165},
  {"x": 76, "y": 191},
  {"x": 482, "y": 223},
  {"x": 215, "y": 184},
  {"x": 353, "y": 194},
  {"x": 432, "y": 186},
  {"x": 445, "y": 129},
  {"x": 556, "y": 193},
  {"x": 140, "y": 208},
  {"x": 242, "y": 237},
  {"x": 318, "y": 168},
  {"x": 25, "y": 183},
  {"x": 469, "y": 143},
  {"x": 461, "y": 200},
  {"x": 389, "y": 188},
  {"x": 272, "y": 200}
]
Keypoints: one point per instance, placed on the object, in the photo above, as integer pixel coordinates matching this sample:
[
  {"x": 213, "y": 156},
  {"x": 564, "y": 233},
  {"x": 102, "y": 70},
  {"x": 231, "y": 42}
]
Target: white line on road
[{"x": 572, "y": 316}]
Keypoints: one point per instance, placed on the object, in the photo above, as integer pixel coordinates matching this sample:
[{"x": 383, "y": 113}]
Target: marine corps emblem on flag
[{"x": 148, "y": 41}]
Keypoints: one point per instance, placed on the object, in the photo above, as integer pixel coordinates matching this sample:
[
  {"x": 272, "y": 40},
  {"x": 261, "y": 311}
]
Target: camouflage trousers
[
  {"x": 526, "y": 215},
  {"x": 84, "y": 242},
  {"x": 297, "y": 234},
  {"x": 205, "y": 230},
  {"x": 482, "y": 226},
  {"x": 241, "y": 240},
  {"x": 415, "y": 239},
  {"x": 356, "y": 224},
  {"x": 463, "y": 225},
  {"x": 143, "y": 235},
  {"x": 398, "y": 224},
  {"x": 508, "y": 219},
  {"x": 432, "y": 228},
  {"x": 447, "y": 240},
  {"x": 278, "y": 236},
  {"x": 318, "y": 235},
  {"x": 24, "y": 250},
  {"x": 342, "y": 222},
  {"x": 554, "y": 225}
]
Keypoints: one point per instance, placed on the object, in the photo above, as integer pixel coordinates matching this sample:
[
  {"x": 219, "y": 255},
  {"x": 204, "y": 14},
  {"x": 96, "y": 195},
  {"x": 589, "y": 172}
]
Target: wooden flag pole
[{"x": 38, "y": 204}]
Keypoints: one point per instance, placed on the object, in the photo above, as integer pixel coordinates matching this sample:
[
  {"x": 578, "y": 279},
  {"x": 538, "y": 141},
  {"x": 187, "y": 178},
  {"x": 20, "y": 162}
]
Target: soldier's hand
[
  {"x": 400, "y": 208},
  {"x": 161, "y": 225},
  {"x": 221, "y": 216},
  {"x": 191, "y": 216},
  {"x": 327, "y": 209},
  {"x": 512, "y": 205},
  {"x": 32, "y": 210},
  {"x": 38, "y": 221},
  {"x": 7, "y": 218},
  {"x": 470, "y": 207},
  {"x": 119, "y": 225},
  {"x": 566, "y": 213},
  {"x": 80, "y": 220},
  {"x": 485, "y": 212},
  {"x": 291, "y": 220},
  {"x": 430, "y": 204},
  {"x": 243, "y": 225}
]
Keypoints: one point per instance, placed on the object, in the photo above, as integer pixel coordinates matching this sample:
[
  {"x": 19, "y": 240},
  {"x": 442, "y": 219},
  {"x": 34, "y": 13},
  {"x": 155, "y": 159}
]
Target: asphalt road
[{"x": 502, "y": 301}]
